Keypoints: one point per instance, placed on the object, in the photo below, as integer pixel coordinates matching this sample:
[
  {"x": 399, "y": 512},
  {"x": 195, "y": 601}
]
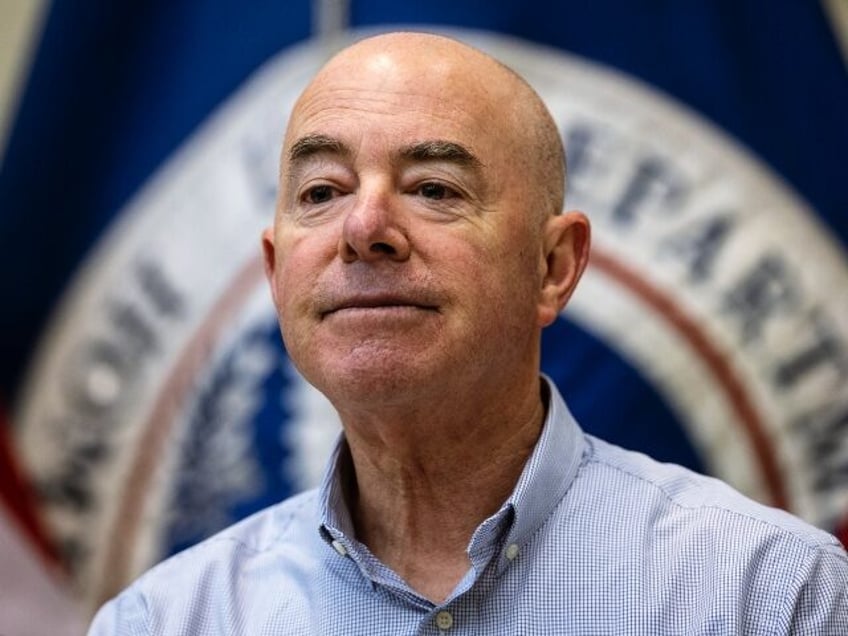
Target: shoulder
[
  {"x": 266, "y": 529},
  {"x": 687, "y": 540},
  {"x": 700, "y": 499},
  {"x": 231, "y": 567}
]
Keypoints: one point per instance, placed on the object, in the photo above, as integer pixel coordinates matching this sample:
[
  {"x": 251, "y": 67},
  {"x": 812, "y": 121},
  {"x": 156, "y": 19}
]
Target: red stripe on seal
[
  {"x": 713, "y": 359},
  {"x": 156, "y": 432},
  {"x": 17, "y": 496},
  {"x": 842, "y": 531}
]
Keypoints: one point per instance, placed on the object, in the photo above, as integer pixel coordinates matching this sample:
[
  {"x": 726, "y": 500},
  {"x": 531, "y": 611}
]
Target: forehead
[{"x": 384, "y": 97}]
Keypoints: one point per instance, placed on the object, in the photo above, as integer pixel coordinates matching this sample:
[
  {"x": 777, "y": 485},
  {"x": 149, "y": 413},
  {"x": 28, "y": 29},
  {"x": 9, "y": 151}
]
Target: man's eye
[
  {"x": 319, "y": 194},
  {"x": 435, "y": 191}
]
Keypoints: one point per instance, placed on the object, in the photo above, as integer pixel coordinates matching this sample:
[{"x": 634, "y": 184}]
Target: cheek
[
  {"x": 299, "y": 265},
  {"x": 491, "y": 279},
  {"x": 295, "y": 280},
  {"x": 514, "y": 286}
]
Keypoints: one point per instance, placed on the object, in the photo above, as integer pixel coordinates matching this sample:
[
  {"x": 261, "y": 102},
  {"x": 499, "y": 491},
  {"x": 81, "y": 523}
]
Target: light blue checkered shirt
[{"x": 594, "y": 540}]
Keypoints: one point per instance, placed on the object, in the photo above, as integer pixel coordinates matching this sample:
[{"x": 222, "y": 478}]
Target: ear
[
  {"x": 269, "y": 257},
  {"x": 566, "y": 253}
]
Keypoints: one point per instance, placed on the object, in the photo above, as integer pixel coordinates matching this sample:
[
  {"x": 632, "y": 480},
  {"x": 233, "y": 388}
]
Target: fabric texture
[{"x": 594, "y": 539}]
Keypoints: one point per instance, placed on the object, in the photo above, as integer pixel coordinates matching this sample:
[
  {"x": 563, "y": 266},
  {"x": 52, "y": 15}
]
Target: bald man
[{"x": 418, "y": 250}]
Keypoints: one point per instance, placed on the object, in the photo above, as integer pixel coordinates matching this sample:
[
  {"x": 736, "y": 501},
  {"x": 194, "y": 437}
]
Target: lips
[{"x": 377, "y": 301}]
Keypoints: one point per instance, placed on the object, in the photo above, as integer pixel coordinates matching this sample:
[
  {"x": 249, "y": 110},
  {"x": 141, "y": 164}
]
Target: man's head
[{"x": 418, "y": 244}]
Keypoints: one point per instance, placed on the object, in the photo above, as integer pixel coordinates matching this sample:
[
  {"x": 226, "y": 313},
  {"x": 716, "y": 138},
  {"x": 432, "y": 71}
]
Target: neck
[{"x": 427, "y": 477}]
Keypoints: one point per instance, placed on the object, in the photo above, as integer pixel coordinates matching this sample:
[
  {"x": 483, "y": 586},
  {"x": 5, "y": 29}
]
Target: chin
[{"x": 381, "y": 378}]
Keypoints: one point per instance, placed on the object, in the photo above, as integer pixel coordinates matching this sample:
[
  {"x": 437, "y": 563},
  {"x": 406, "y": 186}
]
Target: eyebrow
[
  {"x": 429, "y": 150},
  {"x": 441, "y": 150},
  {"x": 311, "y": 145}
]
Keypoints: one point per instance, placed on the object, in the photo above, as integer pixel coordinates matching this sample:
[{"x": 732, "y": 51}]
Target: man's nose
[{"x": 372, "y": 230}]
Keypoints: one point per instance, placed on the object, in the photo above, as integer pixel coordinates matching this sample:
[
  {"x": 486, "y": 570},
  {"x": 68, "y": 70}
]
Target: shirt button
[
  {"x": 511, "y": 551},
  {"x": 444, "y": 620},
  {"x": 338, "y": 547}
]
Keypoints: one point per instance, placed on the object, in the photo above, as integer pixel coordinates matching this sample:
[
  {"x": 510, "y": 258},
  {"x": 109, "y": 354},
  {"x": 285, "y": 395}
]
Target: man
[{"x": 418, "y": 250}]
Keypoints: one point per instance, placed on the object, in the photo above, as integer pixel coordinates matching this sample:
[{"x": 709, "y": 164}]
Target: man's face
[{"x": 405, "y": 256}]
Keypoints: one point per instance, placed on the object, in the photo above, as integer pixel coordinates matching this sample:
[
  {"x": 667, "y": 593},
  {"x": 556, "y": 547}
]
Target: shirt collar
[
  {"x": 544, "y": 480},
  {"x": 548, "y": 473}
]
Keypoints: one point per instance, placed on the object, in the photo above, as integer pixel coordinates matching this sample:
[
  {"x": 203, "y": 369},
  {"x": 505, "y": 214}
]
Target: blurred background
[{"x": 146, "y": 400}]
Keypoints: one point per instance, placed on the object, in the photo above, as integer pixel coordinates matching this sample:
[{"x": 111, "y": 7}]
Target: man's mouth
[{"x": 375, "y": 303}]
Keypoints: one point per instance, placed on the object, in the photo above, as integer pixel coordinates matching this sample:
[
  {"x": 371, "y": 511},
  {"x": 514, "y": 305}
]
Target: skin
[{"x": 417, "y": 252}]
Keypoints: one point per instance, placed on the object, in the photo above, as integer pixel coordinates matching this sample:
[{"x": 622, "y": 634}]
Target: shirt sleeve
[
  {"x": 820, "y": 605},
  {"x": 125, "y": 615}
]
